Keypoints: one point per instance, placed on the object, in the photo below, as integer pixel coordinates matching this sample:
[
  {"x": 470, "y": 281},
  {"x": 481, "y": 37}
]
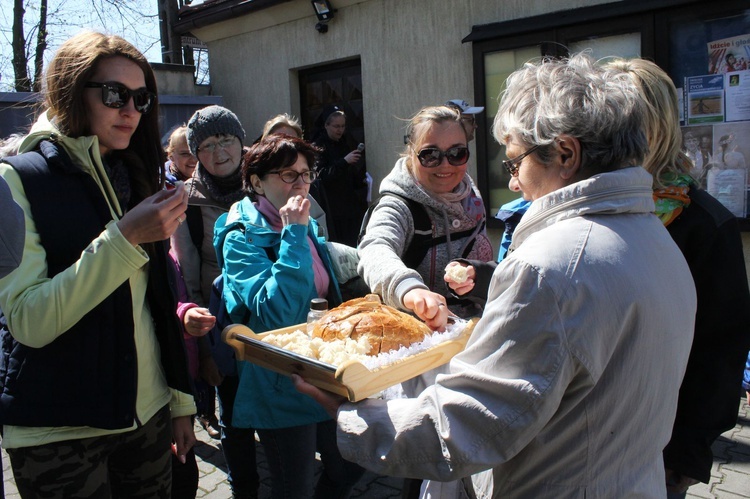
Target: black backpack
[{"x": 423, "y": 240}]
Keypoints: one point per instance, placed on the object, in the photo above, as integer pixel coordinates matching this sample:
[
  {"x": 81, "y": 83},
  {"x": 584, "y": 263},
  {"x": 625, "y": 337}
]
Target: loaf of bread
[{"x": 384, "y": 327}]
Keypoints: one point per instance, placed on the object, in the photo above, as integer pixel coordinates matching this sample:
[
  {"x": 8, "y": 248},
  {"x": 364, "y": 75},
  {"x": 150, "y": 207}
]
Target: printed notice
[
  {"x": 728, "y": 186},
  {"x": 737, "y": 96},
  {"x": 729, "y": 54},
  {"x": 704, "y": 99}
]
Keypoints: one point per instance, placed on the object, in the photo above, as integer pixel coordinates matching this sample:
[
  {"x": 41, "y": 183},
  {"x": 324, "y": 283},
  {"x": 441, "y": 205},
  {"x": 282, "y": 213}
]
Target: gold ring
[{"x": 179, "y": 219}]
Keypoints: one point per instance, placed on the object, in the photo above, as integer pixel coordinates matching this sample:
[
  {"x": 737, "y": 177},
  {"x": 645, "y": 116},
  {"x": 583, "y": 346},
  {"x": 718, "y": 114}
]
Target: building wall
[{"x": 410, "y": 50}]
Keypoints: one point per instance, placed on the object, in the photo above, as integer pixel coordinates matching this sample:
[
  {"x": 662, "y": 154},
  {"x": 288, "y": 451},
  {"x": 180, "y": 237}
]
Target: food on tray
[
  {"x": 331, "y": 352},
  {"x": 458, "y": 273},
  {"x": 384, "y": 327}
]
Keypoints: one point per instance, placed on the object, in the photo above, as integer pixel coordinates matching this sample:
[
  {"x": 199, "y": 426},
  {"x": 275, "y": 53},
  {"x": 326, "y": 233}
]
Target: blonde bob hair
[{"x": 665, "y": 157}]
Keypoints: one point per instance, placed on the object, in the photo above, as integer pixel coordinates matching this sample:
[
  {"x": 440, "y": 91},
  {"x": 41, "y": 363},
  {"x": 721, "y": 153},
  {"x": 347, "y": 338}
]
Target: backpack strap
[
  {"x": 194, "y": 218},
  {"x": 222, "y": 353},
  {"x": 422, "y": 240}
]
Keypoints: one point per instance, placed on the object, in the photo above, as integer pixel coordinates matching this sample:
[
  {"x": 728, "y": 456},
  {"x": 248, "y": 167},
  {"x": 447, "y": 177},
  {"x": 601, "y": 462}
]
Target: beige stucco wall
[{"x": 410, "y": 50}]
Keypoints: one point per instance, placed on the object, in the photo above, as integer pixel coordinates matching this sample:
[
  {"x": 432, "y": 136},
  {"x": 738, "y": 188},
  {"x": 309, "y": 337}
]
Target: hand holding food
[
  {"x": 156, "y": 217},
  {"x": 460, "y": 277}
]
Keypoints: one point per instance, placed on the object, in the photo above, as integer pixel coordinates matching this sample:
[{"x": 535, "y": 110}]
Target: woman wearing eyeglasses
[
  {"x": 215, "y": 136},
  {"x": 273, "y": 264},
  {"x": 342, "y": 186},
  {"x": 569, "y": 383},
  {"x": 93, "y": 374}
]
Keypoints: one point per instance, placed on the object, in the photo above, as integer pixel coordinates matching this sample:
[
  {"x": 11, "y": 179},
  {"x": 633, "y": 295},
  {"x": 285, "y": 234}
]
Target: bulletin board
[{"x": 710, "y": 65}]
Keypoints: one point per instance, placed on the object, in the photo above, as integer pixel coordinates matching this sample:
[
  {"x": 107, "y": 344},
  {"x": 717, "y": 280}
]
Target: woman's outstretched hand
[
  {"x": 156, "y": 217},
  {"x": 429, "y": 306}
]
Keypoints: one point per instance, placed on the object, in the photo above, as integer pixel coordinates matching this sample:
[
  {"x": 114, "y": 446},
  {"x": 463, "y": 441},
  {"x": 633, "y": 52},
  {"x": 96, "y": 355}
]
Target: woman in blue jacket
[{"x": 273, "y": 264}]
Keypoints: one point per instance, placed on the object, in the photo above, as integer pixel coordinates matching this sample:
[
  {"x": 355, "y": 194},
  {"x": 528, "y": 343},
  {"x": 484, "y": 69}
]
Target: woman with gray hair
[{"x": 564, "y": 388}]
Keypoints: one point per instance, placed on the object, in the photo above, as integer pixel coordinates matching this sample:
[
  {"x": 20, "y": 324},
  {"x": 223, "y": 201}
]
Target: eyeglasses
[
  {"x": 116, "y": 95},
  {"x": 431, "y": 157},
  {"x": 512, "y": 165},
  {"x": 291, "y": 176},
  {"x": 224, "y": 143}
]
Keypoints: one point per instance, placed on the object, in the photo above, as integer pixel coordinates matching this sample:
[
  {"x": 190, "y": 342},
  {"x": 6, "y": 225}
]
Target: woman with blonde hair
[
  {"x": 181, "y": 162},
  {"x": 93, "y": 376},
  {"x": 708, "y": 236},
  {"x": 431, "y": 178},
  {"x": 282, "y": 124}
]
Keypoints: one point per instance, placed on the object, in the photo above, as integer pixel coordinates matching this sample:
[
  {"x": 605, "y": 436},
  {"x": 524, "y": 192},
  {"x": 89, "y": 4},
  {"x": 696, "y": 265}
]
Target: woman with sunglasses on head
[
  {"x": 274, "y": 263},
  {"x": 94, "y": 378}
]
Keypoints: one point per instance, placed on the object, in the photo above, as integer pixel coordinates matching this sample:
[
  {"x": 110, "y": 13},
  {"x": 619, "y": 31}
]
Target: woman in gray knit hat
[{"x": 215, "y": 136}]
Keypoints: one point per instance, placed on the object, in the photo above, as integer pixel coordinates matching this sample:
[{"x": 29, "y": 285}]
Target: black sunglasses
[
  {"x": 291, "y": 176},
  {"x": 512, "y": 165},
  {"x": 116, "y": 95},
  {"x": 431, "y": 157}
]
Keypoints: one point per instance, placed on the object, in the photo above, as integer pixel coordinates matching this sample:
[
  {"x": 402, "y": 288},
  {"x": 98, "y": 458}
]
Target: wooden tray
[{"x": 351, "y": 379}]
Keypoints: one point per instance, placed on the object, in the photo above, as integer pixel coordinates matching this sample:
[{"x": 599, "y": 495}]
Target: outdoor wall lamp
[{"x": 324, "y": 10}]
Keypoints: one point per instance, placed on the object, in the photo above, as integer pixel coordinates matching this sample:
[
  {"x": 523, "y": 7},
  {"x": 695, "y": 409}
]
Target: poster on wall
[
  {"x": 697, "y": 142},
  {"x": 704, "y": 101},
  {"x": 729, "y": 54},
  {"x": 727, "y": 178},
  {"x": 737, "y": 96}
]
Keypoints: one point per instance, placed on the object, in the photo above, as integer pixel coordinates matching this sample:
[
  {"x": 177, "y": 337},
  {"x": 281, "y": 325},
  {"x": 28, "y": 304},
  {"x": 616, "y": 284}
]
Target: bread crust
[{"x": 384, "y": 327}]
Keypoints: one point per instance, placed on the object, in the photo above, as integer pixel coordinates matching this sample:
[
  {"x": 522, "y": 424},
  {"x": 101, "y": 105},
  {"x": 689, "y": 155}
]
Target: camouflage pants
[{"x": 135, "y": 464}]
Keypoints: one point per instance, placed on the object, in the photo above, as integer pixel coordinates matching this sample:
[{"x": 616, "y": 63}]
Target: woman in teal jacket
[{"x": 273, "y": 264}]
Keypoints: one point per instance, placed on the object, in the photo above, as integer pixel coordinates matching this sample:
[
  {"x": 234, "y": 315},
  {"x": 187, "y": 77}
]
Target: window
[{"x": 673, "y": 33}]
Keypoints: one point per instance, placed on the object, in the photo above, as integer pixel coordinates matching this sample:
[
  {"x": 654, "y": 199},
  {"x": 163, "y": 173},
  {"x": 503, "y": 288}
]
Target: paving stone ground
[{"x": 730, "y": 476}]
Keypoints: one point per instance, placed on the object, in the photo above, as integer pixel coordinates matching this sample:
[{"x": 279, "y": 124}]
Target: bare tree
[
  {"x": 22, "y": 82},
  {"x": 37, "y": 28},
  {"x": 41, "y": 46}
]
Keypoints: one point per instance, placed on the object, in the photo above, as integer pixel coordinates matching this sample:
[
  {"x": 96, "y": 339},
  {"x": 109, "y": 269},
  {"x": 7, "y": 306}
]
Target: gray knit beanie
[{"x": 210, "y": 121}]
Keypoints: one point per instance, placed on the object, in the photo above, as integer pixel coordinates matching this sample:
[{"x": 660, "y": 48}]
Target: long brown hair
[{"x": 70, "y": 69}]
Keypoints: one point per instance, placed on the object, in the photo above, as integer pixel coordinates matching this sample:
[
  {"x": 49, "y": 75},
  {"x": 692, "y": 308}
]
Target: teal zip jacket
[{"x": 277, "y": 294}]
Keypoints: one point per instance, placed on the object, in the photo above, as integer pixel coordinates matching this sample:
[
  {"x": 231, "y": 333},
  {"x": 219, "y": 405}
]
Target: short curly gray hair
[{"x": 551, "y": 97}]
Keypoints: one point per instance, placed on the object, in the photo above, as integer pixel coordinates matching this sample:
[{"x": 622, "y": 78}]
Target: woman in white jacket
[{"x": 568, "y": 385}]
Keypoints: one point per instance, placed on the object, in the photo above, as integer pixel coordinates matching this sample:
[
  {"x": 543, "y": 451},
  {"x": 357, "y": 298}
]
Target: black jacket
[
  {"x": 709, "y": 238},
  {"x": 87, "y": 376},
  {"x": 344, "y": 190}
]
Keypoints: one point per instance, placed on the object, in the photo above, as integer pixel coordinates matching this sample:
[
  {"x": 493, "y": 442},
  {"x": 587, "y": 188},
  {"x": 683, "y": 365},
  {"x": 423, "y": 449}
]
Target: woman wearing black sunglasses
[
  {"x": 431, "y": 174},
  {"x": 93, "y": 373}
]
